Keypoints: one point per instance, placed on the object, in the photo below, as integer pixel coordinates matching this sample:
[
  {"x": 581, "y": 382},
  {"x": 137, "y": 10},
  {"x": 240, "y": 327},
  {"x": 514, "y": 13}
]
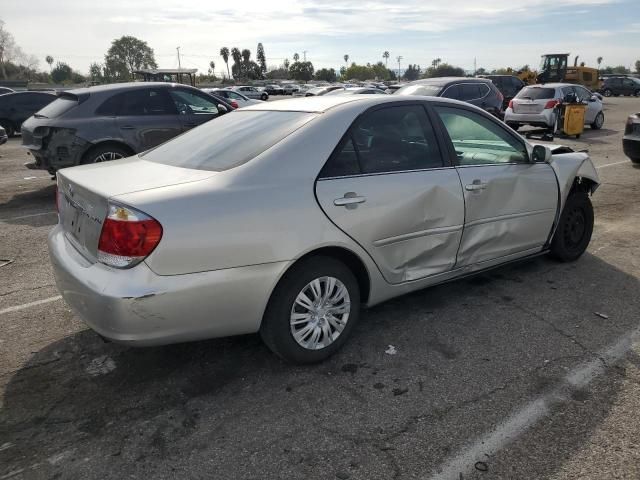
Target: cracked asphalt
[{"x": 470, "y": 357}]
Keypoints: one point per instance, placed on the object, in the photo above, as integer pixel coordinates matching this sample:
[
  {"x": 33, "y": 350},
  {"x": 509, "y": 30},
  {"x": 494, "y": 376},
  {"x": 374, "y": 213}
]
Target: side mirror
[
  {"x": 222, "y": 109},
  {"x": 594, "y": 98},
  {"x": 541, "y": 154}
]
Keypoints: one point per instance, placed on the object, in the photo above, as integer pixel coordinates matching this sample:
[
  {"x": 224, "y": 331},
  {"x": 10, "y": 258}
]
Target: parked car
[
  {"x": 274, "y": 89},
  {"x": 228, "y": 224},
  {"x": 319, "y": 91},
  {"x": 357, "y": 91},
  {"x": 538, "y": 105},
  {"x": 615, "y": 86},
  {"x": 631, "y": 139},
  {"x": 509, "y": 86},
  {"x": 108, "y": 122},
  {"x": 302, "y": 91},
  {"x": 393, "y": 88},
  {"x": 16, "y": 107},
  {"x": 476, "y": 91},
  {"x": 4, "y": 90},
  {"x": 3, "y": 136},
  {"x": 232, "y": 96},
  {"x": 290, "y": 88},
  {"x": 252, "y": 92}
]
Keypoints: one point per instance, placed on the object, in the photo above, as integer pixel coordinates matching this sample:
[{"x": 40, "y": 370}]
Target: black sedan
[
  {"x": 16, "y": 107},
  {"x": 631, "y": 139}
]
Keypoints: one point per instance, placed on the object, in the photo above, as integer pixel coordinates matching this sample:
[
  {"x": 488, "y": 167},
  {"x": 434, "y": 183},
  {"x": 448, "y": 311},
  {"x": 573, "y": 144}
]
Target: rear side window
[
  {"x": 58, "y": 107},
  {"x": 471, "y": 91},
  {"x": 228, "y": 141},
  {"x": 452, "y": 91},
  {"x": 537, "y": 93},
  {"x": 138, "y": 102},
  {"x": 390, "y": 139}
]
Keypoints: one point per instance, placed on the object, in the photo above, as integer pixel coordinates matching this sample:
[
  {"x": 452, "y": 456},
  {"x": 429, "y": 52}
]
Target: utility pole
[
  {"x": 178, "y": 50},
  {"x": 399, "y": 58},
  {"x": 304, "y": 55},
  {"x": 475, "y": 66}
]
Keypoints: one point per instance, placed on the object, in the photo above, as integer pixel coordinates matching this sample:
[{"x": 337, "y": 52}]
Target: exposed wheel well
[
  {"x": 584, "y": 185},
  {"x": 114, "y": 143},
  {"x": 352, "y": 261}
]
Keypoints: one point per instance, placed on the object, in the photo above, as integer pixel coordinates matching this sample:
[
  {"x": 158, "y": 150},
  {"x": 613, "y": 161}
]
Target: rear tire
[
  {"x": 607, "y": 92},
  {"x": 277, "y": 330},
  {"x": 104, "y": 153},
  {"x": 514, "y": 126},
  {"x": 598, "y": 121},
  {"x": 637, "y": 93},
  {"x": 264, "y": 98},
  {"x": 8, "y": 127},
  {"x": 575, "y": 228}
]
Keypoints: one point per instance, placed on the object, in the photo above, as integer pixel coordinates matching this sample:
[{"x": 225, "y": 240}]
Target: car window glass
[
  {"x": 388, "y": 140},
  {"x": 344, "y": 162},
  {"x": 143, "y": 101},
  {"x": 469, "y": 91},
  {"x": 537, "y": 93},
  {"x": 451, "y": 91},
  {"x": 191, "y": 103},
  {"x": 478, "y": 140},
  {"x": 234, "y": 95}
]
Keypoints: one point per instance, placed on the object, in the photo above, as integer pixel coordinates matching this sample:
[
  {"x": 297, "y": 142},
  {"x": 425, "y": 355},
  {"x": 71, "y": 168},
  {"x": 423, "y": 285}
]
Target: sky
[{"x": 496, "y": 33}]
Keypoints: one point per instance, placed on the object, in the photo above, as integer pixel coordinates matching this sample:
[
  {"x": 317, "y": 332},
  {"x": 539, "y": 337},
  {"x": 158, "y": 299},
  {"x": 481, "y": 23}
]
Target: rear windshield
[
  {"x": 536, "y": 93},
  {"x": 228, "y": 141},
  {"x": 426, "y": 90},
  {"x": 58, "y": 107}
]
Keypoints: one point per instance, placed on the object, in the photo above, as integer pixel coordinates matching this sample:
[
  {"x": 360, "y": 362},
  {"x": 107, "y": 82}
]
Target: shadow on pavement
[
  {"x": 468, "y": 354},
  {"x": 24, "y": 208}
]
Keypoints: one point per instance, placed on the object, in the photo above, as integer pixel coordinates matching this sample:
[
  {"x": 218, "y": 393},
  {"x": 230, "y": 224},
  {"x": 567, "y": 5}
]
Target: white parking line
[
  {"x": 612, "y": 164},
  {"x": 27, "y": 216},
  {"x": 519, "y": 422},
  {"x": 30, "y": 304}
]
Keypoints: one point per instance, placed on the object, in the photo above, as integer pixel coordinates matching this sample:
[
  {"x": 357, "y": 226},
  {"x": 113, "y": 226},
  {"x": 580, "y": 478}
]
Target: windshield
[
  {"x": 58, "y": 107},
  {"x": 425, "y": 90},
  {"x": 536, "y": 93},
  {"x": 228, "y": 141}
]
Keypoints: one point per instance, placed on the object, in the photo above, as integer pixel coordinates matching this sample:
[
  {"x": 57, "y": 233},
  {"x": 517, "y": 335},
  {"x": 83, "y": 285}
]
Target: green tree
[
  {"x": 212, "y": 68},
  {"x": 224, "y": 53},
  {"x": 481, "y": 71},
  {"x": 262, "y": 59},
  {"x": 296, "y": 57},
  {"x": 278, "y": 74},
  {"x": 637, "y": 66},
  {"x": 128, "y": 54},
  {"x": 61, "y": 73},
  {"x": 620, "y": 69},
  {"x": 326, "y": 75},
  {"x": 95, "y": 72},
  {"x": 301, "y": 71},
  {"x": 444, "y": 70},
  {"x": 246, "y": 55},
  {"x": 286, "y": 64},
  {"x": 412, "y": 72},
  {"x": 386, "y": 56},
  {"x": 367, "y": 72},
  {"x": 9, "y": 51}
]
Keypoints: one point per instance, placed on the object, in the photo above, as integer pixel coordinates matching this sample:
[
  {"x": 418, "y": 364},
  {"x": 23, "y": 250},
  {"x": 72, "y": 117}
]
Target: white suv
[{"x": 538, "y": 105}]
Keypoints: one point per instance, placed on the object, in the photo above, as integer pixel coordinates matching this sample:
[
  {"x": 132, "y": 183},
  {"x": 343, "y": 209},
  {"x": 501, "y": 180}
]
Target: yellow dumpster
[{"x": 573, "y": 118}]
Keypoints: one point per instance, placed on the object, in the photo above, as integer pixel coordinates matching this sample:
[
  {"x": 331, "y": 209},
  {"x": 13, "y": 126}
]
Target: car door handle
[
  {"x": 127, "y": 127},
  {"x": 476, "y": 186},
  {"x": 349, "y": 199}
]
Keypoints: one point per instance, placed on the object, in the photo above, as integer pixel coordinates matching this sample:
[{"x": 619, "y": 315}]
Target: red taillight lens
[
  {"x": 234, "y": 104},
  {"x": 511, "y": 104},
  {"x": 551, "y": 104},
  {"x": 127, "y": 237}
]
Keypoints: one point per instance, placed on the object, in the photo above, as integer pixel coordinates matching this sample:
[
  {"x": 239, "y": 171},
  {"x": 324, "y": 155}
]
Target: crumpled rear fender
[{"x": 571, "y": 166}]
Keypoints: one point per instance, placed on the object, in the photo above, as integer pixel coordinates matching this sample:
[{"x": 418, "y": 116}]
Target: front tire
[
  {"x": 312, "y": 311},
  {"x": 598, "y": 121},
  {"x": 264, "y": 98},
  {"x": 575, "y": 228}
]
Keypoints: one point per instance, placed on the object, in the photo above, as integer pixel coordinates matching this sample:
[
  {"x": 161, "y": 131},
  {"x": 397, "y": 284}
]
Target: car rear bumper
[
  {"x": 546, "y": 118},
  {"x": 631, "y": 147},
  {"x": 140, "y": 308}
]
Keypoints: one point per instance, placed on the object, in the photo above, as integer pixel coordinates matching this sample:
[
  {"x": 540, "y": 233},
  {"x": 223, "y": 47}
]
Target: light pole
[
  {"x": 178, "y": 50},
  {"x": 304, "y": 55},
  {"x": 399, "y": 58}
]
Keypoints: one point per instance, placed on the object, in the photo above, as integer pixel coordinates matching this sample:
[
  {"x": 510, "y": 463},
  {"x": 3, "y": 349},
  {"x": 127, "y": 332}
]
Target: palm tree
[
  {"x": 224, "y": 53},
  {"x": 49, "y": 60},
  {"x": 286, "y": 64},
  {"x": 346, "y": 60},
  {"x": 385, "y": 55},
  {"x": 212, "y": 67},
  {"x": 237, "y": 58},
  {"x": 296, "y": 57},
  {"x": 599, "y": 60}
]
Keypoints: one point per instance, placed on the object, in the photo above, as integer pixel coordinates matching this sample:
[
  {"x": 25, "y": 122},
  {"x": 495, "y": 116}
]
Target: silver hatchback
[{"x": 286, "y": 218}]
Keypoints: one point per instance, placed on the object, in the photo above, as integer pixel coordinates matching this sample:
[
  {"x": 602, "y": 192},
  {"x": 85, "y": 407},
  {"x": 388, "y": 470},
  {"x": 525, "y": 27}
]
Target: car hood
[{"x": 130, "y": 175}]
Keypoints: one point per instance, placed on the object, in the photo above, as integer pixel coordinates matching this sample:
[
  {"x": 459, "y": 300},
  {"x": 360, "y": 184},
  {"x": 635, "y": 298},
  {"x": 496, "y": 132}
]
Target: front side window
[
  {"x": 480, "y": 141},
  {"x": 452, "y": 91},
  {"x": 190, "y": 103},
  {"x": 391, "y": 139},
  {"x": 141, "y": 102}
]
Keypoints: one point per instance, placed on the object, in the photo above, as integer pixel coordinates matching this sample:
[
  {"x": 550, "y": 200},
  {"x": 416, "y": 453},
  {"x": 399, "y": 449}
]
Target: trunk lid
[
  {"x": 525, "y": 106},
  {"x": 84, "y": 193}
]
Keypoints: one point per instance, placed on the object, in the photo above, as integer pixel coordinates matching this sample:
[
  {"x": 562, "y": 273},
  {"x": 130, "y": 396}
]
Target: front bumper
[
  {"x": 631, "y": 147},
  {"x": 544, "y": 119},
  {"x": 140, "y": 308}
]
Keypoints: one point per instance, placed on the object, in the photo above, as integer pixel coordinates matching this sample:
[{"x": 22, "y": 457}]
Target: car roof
[
  {"x": 447, "y": 80},
  {"x": 114, "y": 87},
  {"x": 327, "y": 102},
  {"x": 553, "y": 85}
]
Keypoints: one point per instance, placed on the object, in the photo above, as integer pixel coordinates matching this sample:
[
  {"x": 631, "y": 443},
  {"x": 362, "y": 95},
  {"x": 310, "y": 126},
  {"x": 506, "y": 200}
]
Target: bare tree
[{"x": 9, "y": 51}]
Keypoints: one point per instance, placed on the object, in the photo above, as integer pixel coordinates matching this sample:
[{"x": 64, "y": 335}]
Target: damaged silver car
[
  {"x": 108, "y": 122},
  {"x": 343, "y": 202}
]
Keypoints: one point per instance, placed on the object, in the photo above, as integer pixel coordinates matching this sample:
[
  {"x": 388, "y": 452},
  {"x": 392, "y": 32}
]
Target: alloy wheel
[
  {"x": 320, "y": 313},
  {"x": 107, "y": 156}
]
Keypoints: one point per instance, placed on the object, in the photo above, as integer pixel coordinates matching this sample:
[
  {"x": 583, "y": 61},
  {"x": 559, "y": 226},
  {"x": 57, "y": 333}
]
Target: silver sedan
[{"x": 286, "y": 218}]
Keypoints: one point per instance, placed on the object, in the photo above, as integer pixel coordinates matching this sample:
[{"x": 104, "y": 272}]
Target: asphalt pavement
[{"x": 530, "y": 371}]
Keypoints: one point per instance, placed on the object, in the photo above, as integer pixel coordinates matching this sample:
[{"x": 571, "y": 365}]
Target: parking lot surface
[{"x": 527, "y": 371}]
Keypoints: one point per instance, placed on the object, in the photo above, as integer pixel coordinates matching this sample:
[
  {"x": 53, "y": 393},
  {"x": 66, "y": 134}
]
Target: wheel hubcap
[
  {"x": 575, "y": 228},
  {"x": 319, "y": 313},
  {"x": 107, "y": 156}
]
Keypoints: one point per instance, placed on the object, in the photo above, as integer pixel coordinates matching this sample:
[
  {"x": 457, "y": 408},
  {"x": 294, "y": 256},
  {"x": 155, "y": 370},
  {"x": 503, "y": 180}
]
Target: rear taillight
[
  {"x": 234, "y": 104},
  {"x": 511, "y": 104},
  {"x": 551, "y": 104},
  {"x": 500, "y": 96},
  {"x": 128, "y": 236}
]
